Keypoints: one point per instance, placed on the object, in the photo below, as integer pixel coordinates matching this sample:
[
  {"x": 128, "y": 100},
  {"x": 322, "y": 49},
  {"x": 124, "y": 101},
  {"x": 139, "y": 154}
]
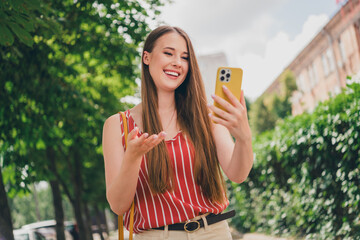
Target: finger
[
  {"x": 219, "y": 111},
  {"x": 150, "y": 141},
  {"x": 153, "y": 140},
  {"x": 225, "y": 104},
  {"x": 144, "y": 136},
  {"x": 218, "y": 120},
  {"x": 242, "y": 100},
  {"x": 231, "y": 96},
  {"x": 161, "y": 137}
]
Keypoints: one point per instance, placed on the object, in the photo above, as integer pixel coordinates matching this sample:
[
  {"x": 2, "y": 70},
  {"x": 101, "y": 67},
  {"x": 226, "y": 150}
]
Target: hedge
[{"x": 305, "y": 181}]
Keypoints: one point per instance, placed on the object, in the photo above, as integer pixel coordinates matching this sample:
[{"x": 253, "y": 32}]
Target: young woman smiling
[{"x": 176, "y": 148}]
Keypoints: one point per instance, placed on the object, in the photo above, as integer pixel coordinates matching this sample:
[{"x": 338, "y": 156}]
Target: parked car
[
  {"x": 27, "y": 234},
  {"x": 45, "y": 230}
]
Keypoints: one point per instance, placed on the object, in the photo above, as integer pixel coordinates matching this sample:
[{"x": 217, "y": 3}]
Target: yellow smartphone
[{"x": 232, "y": 79}]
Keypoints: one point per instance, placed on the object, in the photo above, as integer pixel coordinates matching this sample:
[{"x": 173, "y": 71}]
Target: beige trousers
[{"x": 216, "y": 231}]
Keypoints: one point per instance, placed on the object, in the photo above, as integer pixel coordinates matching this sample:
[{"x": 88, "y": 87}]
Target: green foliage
[
  {"x": 18, "y": 19},
  {"x": 261, "y": 118},
  {"x": 64, "y": 66},
  {"x": 305, "y": 180}
]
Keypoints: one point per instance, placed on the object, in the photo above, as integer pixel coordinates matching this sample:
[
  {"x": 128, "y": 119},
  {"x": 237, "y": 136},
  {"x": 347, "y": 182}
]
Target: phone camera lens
[
  {"x": 222, "y": 78},
  {"x": 223, "y": 71},
  {"x": 228, "y": 75}
]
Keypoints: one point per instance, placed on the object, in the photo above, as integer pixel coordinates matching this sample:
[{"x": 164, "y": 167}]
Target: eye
[
  {"x": 168, "y": 53},
  {"x": 185, "y": 58}
]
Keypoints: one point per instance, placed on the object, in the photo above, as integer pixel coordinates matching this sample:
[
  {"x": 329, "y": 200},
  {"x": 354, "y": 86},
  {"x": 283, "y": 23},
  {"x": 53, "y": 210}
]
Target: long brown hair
[{"x": 192, "y": 115}]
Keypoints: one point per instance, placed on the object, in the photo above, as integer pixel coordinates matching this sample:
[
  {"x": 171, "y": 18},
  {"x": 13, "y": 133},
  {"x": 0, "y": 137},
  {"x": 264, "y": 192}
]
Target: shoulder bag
[{"x": 120, "y": 217}]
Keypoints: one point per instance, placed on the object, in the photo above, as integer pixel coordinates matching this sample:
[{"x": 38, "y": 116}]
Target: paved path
[{"x": 251, "y": 236}]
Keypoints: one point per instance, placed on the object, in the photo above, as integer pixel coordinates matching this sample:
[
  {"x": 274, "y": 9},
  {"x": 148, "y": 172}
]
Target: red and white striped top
[{"x": 186, "y": 201}]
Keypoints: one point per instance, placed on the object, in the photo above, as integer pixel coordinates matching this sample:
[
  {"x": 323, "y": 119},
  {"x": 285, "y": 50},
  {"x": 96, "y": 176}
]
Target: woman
[{"x": 171, "y": 166}]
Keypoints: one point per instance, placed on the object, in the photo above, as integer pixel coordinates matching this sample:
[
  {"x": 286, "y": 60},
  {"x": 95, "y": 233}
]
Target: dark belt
[{"x": 194, "y": 225}]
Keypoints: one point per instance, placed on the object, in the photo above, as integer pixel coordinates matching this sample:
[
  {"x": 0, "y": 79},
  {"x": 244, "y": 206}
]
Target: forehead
[{"x": 171, "y": 40}]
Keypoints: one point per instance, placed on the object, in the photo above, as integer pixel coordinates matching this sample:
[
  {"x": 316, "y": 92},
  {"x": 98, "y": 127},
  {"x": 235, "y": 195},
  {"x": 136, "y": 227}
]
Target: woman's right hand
[{"x": 138, "y": 146}]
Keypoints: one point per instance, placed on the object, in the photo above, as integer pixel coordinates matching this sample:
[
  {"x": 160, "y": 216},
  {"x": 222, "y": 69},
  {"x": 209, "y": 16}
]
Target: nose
[{"x": 176, "y": 61}]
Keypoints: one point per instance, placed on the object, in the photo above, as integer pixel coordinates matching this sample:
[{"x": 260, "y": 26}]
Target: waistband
[{"x": 194, "y": 225}]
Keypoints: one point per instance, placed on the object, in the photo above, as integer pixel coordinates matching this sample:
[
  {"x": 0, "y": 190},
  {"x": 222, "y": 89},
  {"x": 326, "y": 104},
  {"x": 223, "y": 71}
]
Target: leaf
[
  {"x": 33, "y": 4},
  {"x": 6, "y": 37},
  {"x": 23, "y": 35},
  {"x": 25, "y": 22}
]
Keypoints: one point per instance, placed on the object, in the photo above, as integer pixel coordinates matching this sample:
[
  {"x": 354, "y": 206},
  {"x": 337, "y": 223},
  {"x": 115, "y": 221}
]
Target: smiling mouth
[{"x": 175, "y": 74}]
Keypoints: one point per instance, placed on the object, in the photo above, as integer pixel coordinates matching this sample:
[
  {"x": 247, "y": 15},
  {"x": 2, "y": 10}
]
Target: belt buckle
[{"x": 191, "y": 223}]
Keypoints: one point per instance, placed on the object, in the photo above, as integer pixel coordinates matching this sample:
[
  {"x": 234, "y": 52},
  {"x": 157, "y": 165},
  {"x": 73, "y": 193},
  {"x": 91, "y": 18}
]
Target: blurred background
[{"x": 68, "y": 65}]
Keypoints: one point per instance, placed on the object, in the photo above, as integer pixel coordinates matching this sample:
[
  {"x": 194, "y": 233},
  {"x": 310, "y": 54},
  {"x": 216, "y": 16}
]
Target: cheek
[{"x": 154, "y": 70}]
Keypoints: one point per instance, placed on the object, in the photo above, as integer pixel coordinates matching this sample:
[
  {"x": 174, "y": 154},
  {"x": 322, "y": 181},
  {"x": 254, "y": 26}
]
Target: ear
[{"x": 146, "y": 57}]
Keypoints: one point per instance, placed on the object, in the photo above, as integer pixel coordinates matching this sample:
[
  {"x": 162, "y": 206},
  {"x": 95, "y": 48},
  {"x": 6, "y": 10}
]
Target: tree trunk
[
  {"x": 99, "y": 220},
  {"x": 6, "y": 228},
  {"x": 57, "y": 200},
  {"x": 105, "y": 221},
  {"x": 88, "y": 221},
  {"x": 78, "y": 206},
  {"x": 59, "y": 213}
]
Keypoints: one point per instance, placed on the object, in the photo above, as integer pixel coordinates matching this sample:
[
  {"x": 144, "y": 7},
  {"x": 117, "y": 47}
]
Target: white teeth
[{"x": 172, "y": 73}]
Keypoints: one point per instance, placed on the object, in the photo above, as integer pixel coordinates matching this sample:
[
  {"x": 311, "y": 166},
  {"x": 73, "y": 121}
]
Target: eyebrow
[{"x": 171, "y": 48}]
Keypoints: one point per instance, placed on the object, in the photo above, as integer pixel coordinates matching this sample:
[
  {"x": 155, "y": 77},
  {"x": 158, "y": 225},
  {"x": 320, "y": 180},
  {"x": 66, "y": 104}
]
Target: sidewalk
[{"x": 251, "y": 236}]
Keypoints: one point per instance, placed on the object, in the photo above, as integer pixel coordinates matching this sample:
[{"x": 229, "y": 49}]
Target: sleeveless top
[{"x": 186, "y": 201}]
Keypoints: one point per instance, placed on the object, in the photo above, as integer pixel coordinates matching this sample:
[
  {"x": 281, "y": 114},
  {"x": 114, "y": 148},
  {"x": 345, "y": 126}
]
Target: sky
[{"x": 260, "y": 36}]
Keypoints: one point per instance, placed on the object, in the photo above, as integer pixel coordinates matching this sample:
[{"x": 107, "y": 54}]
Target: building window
[
  {"x": 330, "y": 59},
  {"x": 342, "y": 50},
  {"x": 325, "y": 64},
  {"x": 300, "y": 81},
  {"x": 312, "y": 75}
]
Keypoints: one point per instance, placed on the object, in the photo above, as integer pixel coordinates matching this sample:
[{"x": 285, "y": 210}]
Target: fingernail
[
  {"x": 224, "y": 87},
  {"x": 208, "y": 104},
  {"x": 146, "y": 135},
  {"x": 155, "y": 137},
  {"x": 163, "y": 134},
  {"x": 213, "y": 95},
  {"x": 135, "y": 128},
  {"x": 210, "y": 114}
]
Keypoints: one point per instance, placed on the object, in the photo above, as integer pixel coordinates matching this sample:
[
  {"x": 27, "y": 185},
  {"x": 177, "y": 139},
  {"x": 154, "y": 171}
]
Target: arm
[
  {"x": 236, "y": 159},
  {"x": 122, "y": 168}
]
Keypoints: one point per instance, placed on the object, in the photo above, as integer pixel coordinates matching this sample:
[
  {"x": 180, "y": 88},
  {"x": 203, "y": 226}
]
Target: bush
[{"x": 305, "y": 180}]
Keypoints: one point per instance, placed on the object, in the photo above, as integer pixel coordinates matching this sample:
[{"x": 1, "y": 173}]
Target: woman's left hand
[{"x": 234, "y": 118}]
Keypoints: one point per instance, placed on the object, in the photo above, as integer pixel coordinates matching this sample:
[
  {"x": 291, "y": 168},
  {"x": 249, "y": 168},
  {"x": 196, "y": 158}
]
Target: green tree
[
  {"x": 56, "y": 94},
  {"x": 281, "y": 104},
  {"x": 270, "y": 108},
  {"x": 261, "y": 118}
]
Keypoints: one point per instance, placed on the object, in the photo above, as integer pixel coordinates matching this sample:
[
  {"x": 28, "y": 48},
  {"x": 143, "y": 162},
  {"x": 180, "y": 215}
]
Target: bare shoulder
[
  {"x": 112, "y": 121},
  {"x": 136, "y": 114},
  {"x": 112, "y": 129}
]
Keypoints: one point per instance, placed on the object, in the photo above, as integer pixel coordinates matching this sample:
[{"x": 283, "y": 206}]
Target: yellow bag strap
[{"x": 120, "y": 217}]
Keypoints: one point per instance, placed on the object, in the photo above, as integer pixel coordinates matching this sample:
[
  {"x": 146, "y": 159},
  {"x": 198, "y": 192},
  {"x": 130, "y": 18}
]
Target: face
[{"x": 168, "y": 61}]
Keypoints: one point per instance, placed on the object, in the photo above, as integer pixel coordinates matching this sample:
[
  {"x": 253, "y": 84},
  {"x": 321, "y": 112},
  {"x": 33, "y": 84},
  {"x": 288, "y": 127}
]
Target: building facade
[{"x": 322, "y": 67}]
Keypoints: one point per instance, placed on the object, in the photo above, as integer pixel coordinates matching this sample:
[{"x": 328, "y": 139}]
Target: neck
[{"x": 166, "y": 102}]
